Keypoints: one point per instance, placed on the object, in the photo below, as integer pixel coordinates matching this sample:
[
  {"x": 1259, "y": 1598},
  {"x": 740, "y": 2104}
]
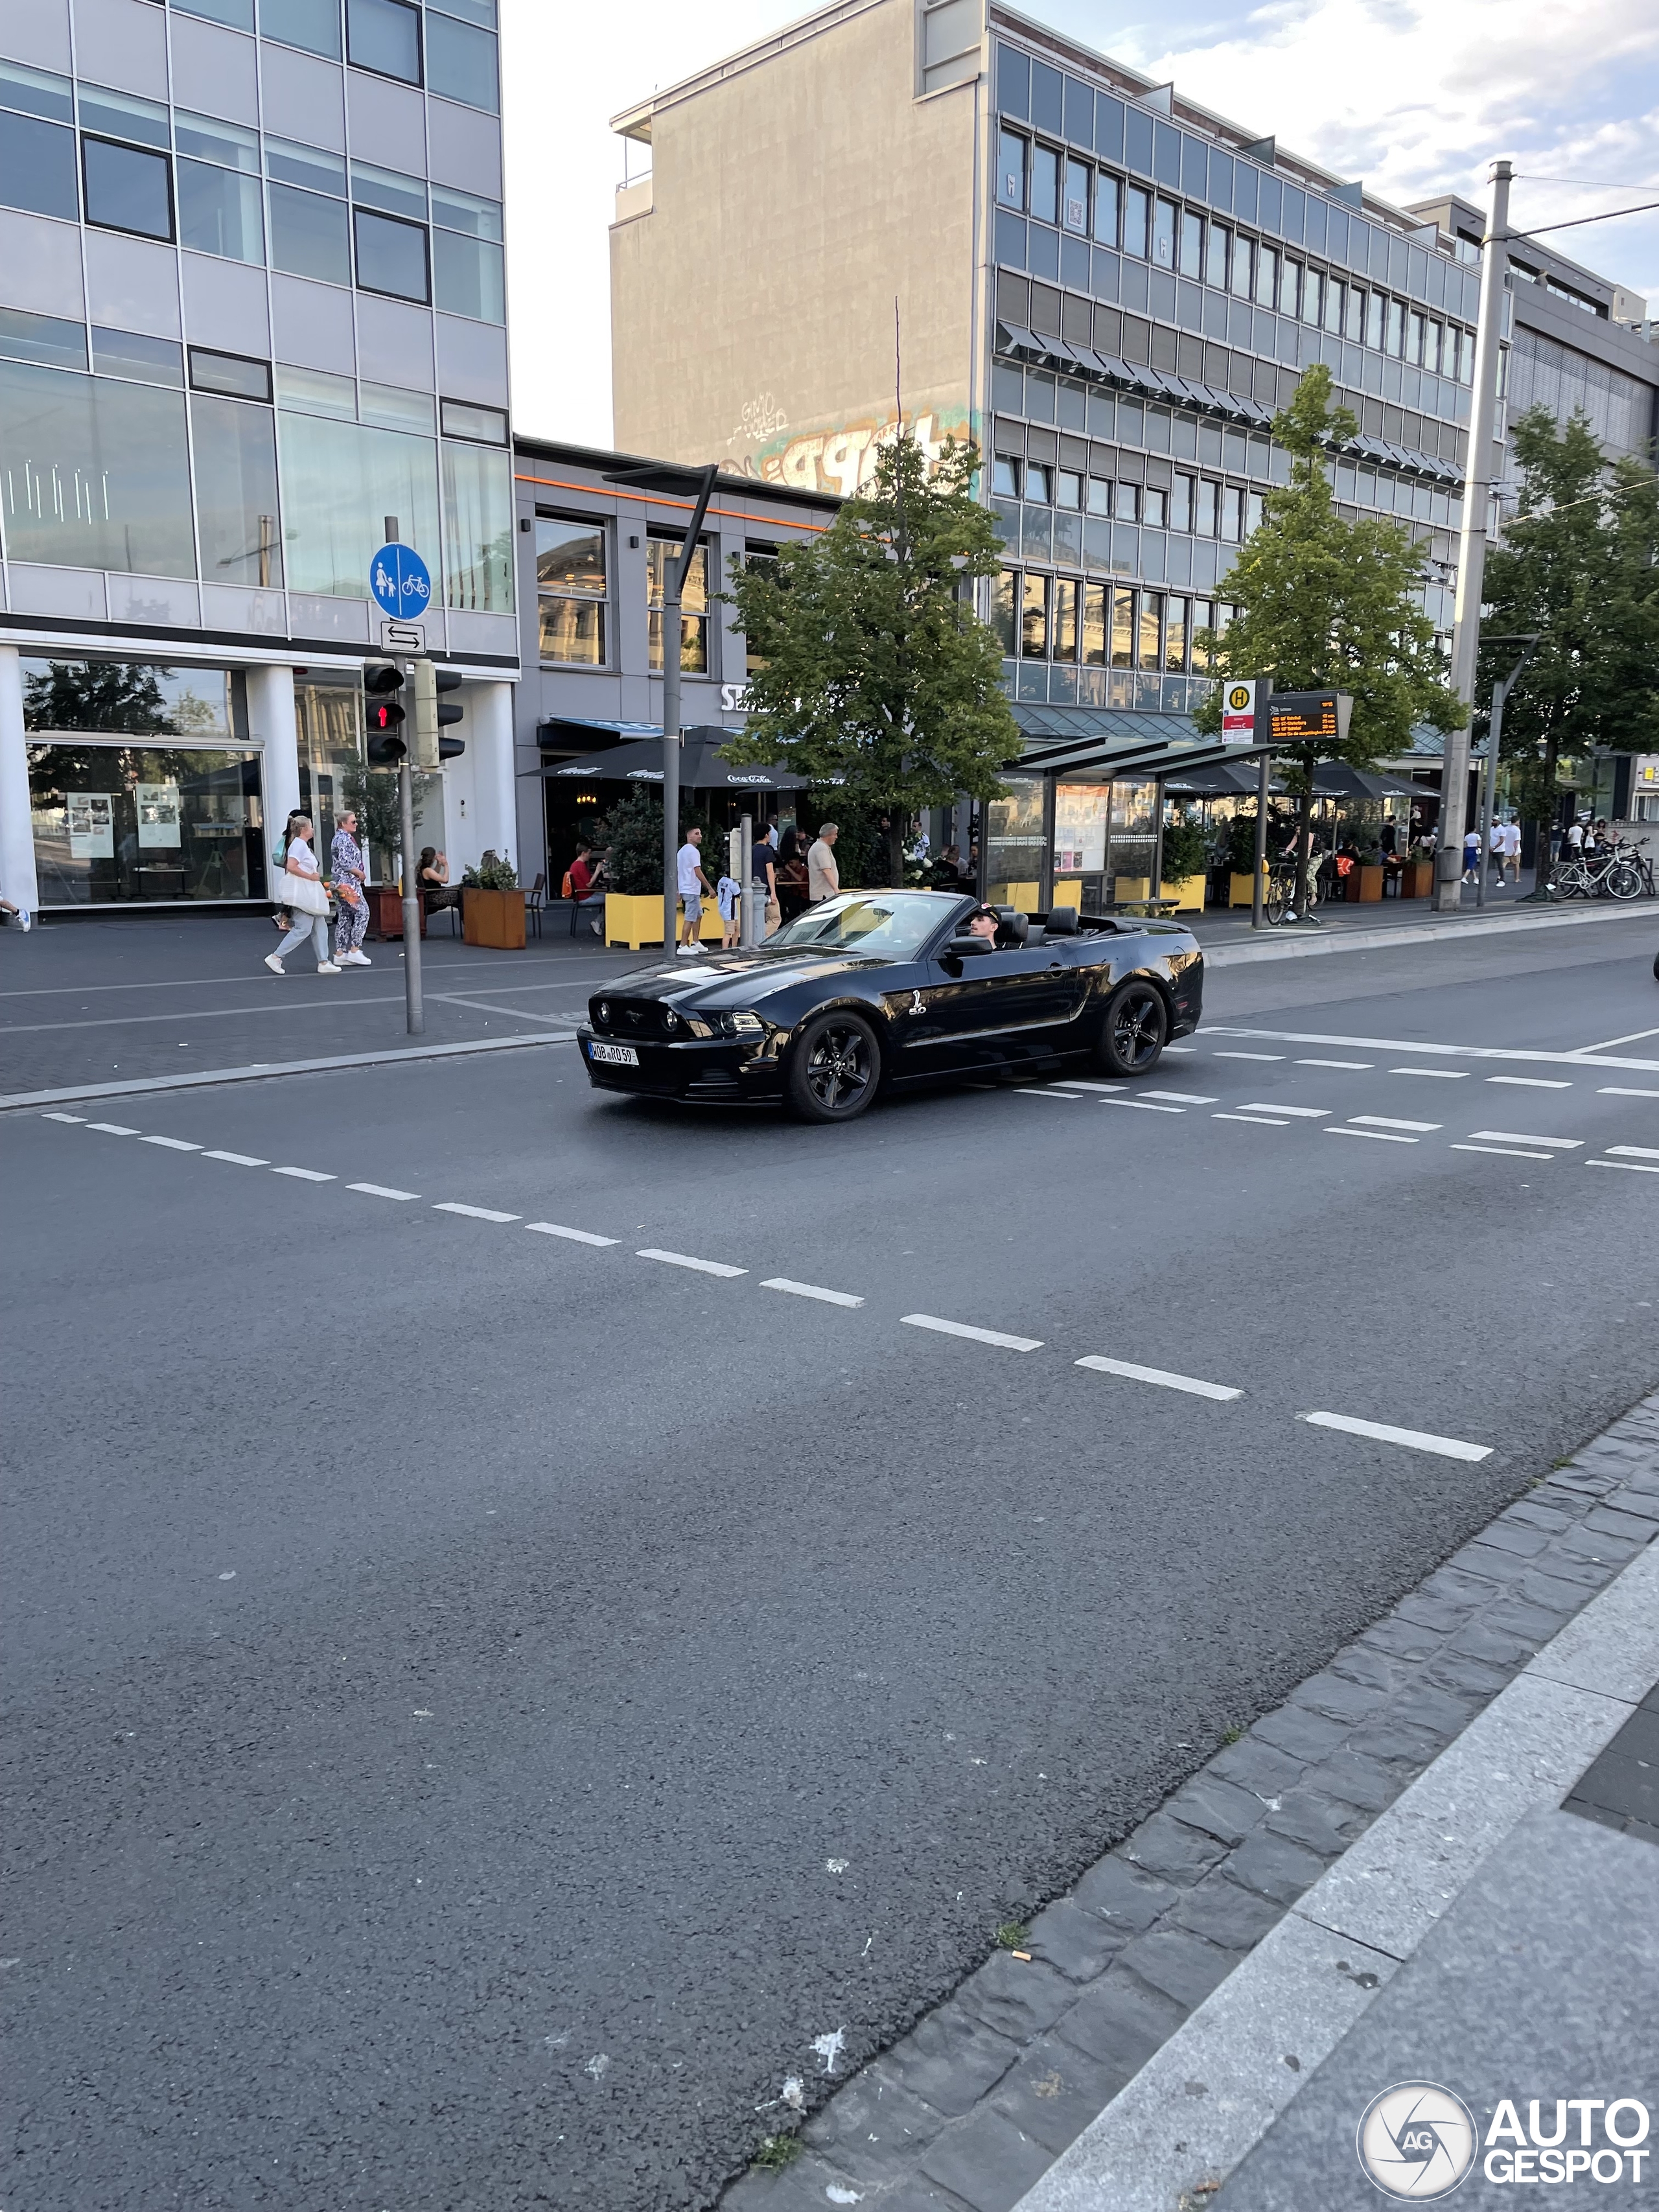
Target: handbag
[{"x": 303, "y": 894}]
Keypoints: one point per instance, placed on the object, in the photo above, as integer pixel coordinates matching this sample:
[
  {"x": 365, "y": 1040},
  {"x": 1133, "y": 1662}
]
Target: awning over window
[{"x": 1110, "y": 741}]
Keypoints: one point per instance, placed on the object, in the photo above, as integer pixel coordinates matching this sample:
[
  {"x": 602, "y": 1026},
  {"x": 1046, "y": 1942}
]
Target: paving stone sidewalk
[{"x": 971, "y": 2106}]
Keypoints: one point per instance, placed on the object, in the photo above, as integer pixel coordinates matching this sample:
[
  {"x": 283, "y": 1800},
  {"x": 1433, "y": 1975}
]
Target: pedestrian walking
[
  {"x": 763, "y": 863},
  {"x": 307, "y": 900},
  {"x": 1471, "y": 856},
  {"x": 728, "y": 896},
  {"x": 349, "y": 873},
  {"x": 282, "y": 917},
  {"x": 823, "y": 877},
  {"x": 693, "y": 889},
  {"x": 1509, "y": 865}
]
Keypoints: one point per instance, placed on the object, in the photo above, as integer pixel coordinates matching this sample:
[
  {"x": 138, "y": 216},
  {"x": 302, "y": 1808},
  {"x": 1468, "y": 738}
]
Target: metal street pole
[
  {"x": 1500, "y": 692},
  {"x": 414, "y": 1012},
  {"x": 1481, "y": 475},
  {"x": 1263, "y": 692},
  {"x": 673, "y": 590}
]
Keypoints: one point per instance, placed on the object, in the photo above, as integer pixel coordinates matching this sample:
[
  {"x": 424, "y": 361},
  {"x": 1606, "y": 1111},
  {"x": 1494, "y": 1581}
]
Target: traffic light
[
  {"x": 386, "y": 743},
  {"x": 431, "y": 715}
]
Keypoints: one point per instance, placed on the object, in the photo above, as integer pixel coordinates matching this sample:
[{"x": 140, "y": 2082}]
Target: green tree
[
  {"x": 96, "y": 694},
  {"x": 1327, "y": 605},
  {"x": 1576, "y": 566},
  {"x": 875, "y": 674}
]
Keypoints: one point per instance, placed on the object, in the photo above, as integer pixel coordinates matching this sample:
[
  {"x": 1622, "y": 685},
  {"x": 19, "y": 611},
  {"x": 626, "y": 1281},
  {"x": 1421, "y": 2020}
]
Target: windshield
[{"x": 895, "y": 923}]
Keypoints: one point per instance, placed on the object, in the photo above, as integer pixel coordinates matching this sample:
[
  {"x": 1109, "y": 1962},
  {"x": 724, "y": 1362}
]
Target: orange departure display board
[{"x": 1307, "y": 717}]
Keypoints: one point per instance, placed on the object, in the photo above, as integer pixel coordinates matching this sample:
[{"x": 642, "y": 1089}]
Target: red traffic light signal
[{"x": 384, "y": 715}]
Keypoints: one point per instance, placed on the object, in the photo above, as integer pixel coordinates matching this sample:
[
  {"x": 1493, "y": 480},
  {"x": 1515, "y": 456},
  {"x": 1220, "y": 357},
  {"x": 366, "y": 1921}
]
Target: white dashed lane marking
[
  {"x": 1606, "y": 1091},
  {"x": 172, "y": 1143},
  {"x": 1071, "y": 1096},
  {"x": 575, "y": 1236},
  {"x": 1336, "y": 1063},
  {"x": 1634, "y": 1152},
  {"x": 472, "y": 1212},
  {"x": 1522, "y": 1137},
  {"x": 1181, "y": 1097},
  {"x": 1381, "y": 1136},
  {"x": 1412, "y": 1439},
  {"x": 63, "y": 1117},
  {"x": 685, "y": 1259},
  {"x": 237, "y": 1159},
  {"x": 1301, "y": 1113},
  {"x": 1259, "y": 1121},
  {"x": 977, "y": 1335},
  {"x": 381, "y": 1190},
  {"x": 1160, "y": 1375},
  {"x": 810, "y": 1291},
  {"x": 1144, "y": 1105},
  {"x": 1636, "y": 1166},
  {"x": 1506, "y": 1151},
  {"x": 1388, "y": 1122},
  {"x": 1531, "y": 1082},
  {"x": 1247, "y": 1055},
  {"x": 1439, "y": 1075},
  {"x": 112, "y": 1128},
  {"x": 305, "y": 1175}
]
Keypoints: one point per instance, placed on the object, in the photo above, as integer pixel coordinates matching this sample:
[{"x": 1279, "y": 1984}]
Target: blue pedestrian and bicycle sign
[{"x": 400, "y": 582}]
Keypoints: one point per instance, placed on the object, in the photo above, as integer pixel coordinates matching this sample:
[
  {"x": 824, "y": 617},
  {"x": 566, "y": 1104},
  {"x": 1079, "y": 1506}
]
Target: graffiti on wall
[{"x": 841, "y": 458}]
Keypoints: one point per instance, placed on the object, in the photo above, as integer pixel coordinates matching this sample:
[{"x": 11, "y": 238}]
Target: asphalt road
[{"x": 487, "y": 1707}]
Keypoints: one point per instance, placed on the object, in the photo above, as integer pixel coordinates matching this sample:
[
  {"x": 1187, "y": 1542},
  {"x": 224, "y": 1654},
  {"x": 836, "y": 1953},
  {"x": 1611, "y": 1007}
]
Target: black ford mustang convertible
[{"x": 874, "y": 990}]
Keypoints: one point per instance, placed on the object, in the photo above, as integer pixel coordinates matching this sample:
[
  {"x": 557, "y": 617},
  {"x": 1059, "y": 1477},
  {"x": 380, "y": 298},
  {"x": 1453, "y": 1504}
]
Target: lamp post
[
  {"x": 1480, "y": 477},
  {"x": 697, "y": 485}
]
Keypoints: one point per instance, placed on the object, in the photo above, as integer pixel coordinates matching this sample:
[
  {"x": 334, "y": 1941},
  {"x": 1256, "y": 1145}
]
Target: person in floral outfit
[{"x": 349, "y": 873}]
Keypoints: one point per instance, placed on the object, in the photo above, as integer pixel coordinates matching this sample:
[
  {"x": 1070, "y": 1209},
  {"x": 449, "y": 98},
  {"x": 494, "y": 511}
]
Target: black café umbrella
[
  {"x": 1337, "y": 779},
  {"x": 703, "y": 767}
]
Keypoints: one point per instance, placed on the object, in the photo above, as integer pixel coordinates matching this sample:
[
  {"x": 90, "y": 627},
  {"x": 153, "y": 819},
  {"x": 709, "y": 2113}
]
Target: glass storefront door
[{"x": 1014, "y": 847}]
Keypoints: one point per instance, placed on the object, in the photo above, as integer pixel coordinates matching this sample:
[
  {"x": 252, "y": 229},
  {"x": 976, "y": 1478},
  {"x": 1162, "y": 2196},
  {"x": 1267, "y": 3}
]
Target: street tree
[
  {"x": 1324, "y": 603},
  {"x": 870, "y": 671},
  {"x": 1577, "y": 568}
]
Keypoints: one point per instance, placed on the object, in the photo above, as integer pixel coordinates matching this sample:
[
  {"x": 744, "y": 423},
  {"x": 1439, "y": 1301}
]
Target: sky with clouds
[{"x": 1415, "y": 96}]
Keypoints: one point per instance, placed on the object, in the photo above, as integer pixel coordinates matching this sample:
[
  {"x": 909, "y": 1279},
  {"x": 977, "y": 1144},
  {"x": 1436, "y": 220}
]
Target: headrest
[
  {"x": 1012, "y": 927},
  {"x": 1061, "y": 922}
]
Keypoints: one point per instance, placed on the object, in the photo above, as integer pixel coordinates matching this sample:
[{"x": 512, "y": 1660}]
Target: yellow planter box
[
  {"x": 1068, "y": 894},
  {"x": 1187, "y": 892},
  {"x": 634, "y": 920},
  {"x": 1024, "y": 898},
  {"x": 1240, "y": 891},
  {"x": 1132, "y": 887}
]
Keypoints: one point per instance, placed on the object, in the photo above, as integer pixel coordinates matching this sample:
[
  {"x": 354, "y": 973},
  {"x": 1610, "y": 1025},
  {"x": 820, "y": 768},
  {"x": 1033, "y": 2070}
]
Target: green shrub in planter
[{"x": 1186, "y": 850}]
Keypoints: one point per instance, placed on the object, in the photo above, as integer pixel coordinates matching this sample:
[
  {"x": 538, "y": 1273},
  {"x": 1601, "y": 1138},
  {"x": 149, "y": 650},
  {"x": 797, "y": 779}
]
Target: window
[
  {"x": 310, "y": 165},
  {"x": 232, "y": 374},
  {"x": 1034, "y": 618},
  {"x": 694, "y": 604},
  {"x": 219, "y": 209},
  {"x": 1434, "y": 350},
  {"x": 1252, "y": 513},
  {"x": 308, "y": 235},
  {"x": 1152, "y": 629},
  {"x": 339, "y": 480},
  {"x": 1203, "y": 620},
  {"x": 1076, "y": 210},
  {"x": 1353, "y": 320},
  {"x": 383, "y": 35},
  {"x": 1215, "y": 264},
  {"x": 1175, "y": 637},
  {"x": 1094, "y": 625},
  {"x": 1466, "y": 357},
  {"x": 1123, "y": 626},
  {"x": 391, "y": 256},
  {"x": 1045, "y": 183},
  {"x": 1313, "y": 298},
  {"x": 1232, "y": 514},
  {"x": 128, "y": 353},
  {"x": 236, "y": 515},
  {"x": 36, "y": 92},
  {"x": 1290, "y": 283},
  {"x": 570, "y": 588},
  {"x": 477, "y": 483},
  {"x": 313, "y": 24},
  {"x": 116, "y": 822},
  {"x": 93, "y": 473},
  {"x": 394, "y": 407},
  {"x": 1154, "y": 507},
  {"x": 42, "y": 338},
  {"x": 1068, "y": 489},
  {"x": 1003, "y": 592},
  {"x": 312, "y": 391},
  {"x": 1036, "y": 480},
  {"x": 1415, "y": 331},
  {"x": 120, "y": 115},
  {"x": 37, "y": 161},
  {"x": 1126, "y": 508},
  {"x": 1267, "y": 276},
  {"x": 487, "y": 426},
  {"x": 1107, "y": 195},
  {"x": 460, "y": 63},
  {"x": 1100, "y": 495},
  {"x": 1395, "y": 341},
  {"x": 1181, "y": 503},
  {"x": 1205, "y": 511},
  {"x": 1065, "y": 617},
  {"x": 1376, "y": 308},
  {"x": 126, "y": 189},
  {"x": 1163, "y": 233},
  {"x": 468, "y": 275},
  {"x": 390, "y": 191},
  {"x": 1136, "y": 217},
  {"x": 1334, "y": 293},
  {"x": 238, "y": 14},
  {"x": 1191, "y": 244},
  {"x": 1004, "y": 476},
  {"x": 1243, "y": 264},
  {"x": 1010, "y": 169}
]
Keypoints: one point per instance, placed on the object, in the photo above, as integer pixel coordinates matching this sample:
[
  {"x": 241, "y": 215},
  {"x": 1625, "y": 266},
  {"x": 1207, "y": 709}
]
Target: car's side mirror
[{"x": 967, "y": 947}]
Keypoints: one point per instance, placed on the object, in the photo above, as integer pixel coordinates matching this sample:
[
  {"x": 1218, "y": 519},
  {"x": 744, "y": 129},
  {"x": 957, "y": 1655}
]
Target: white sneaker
[
  {"x": 328, "y": 968},
  {"x": 680, "y": 951},
  {"x": 275, "y": 964},
  {"x": 695, "y": 950},
  {"x": 25, "y": 919},
  {"x": 357, "y": 959}
]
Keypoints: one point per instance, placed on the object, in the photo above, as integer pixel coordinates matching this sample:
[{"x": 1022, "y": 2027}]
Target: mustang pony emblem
[{"x": 916, "y": 1006}]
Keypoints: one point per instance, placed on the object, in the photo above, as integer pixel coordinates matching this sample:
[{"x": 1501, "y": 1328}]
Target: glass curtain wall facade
[{"x": 1156, "y": 297}]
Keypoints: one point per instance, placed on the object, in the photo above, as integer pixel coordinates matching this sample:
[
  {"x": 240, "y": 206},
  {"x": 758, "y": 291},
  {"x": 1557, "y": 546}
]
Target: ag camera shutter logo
[{"x": 1417, "y": 2142}]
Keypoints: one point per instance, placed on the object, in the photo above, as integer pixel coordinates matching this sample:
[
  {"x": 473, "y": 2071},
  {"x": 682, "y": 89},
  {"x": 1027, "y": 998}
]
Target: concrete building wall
[{"x": 795, "y": 195}]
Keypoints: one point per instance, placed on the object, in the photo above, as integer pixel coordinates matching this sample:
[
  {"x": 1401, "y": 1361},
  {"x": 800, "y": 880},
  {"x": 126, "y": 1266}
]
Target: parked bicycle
[{"x": 1621, "y": 872}]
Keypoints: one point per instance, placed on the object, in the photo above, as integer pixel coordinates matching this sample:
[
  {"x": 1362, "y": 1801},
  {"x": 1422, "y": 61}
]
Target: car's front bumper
[{"x": 691, "y": 1067}]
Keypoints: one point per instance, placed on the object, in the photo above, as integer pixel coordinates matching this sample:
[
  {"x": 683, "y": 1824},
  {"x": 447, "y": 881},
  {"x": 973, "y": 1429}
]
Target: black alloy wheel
[
  {"x": 834, "y": 1069},
  {"x": 1136, "y": 1023}
]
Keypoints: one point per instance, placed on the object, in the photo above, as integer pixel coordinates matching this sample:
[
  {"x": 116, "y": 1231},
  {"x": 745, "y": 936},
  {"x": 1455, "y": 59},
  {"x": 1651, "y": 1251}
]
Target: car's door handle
[{"x": 1057, "y": 967}]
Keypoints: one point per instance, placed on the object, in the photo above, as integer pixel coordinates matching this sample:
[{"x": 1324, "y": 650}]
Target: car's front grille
[{"x": 632, "y": 1017}]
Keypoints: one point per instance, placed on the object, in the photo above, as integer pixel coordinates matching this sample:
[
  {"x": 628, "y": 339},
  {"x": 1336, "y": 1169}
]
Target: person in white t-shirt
[
  {"x": 307, "y": 902},
  {"x": 823, "y": 875},
  {"x": 693, "y": 888},
  {"x": 1509, "y": 866}
]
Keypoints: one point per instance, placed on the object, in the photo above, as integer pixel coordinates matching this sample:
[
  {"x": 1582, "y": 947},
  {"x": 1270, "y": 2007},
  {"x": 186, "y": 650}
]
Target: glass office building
[{"x": 252, "y": 313}]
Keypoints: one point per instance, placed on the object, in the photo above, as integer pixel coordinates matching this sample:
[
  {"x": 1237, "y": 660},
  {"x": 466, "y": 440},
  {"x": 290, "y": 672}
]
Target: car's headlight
[{"x": 747, "y": 1026}]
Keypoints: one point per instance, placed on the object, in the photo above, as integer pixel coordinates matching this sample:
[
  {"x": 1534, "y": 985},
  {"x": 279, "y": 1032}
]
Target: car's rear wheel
[
  {"x": 834, "y": 1069},
  {"x": 1131, "y": 1036}
]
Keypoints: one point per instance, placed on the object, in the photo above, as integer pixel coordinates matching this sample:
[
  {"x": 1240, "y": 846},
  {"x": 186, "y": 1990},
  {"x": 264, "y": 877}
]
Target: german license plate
[{"x": 618, "y": 1055}]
